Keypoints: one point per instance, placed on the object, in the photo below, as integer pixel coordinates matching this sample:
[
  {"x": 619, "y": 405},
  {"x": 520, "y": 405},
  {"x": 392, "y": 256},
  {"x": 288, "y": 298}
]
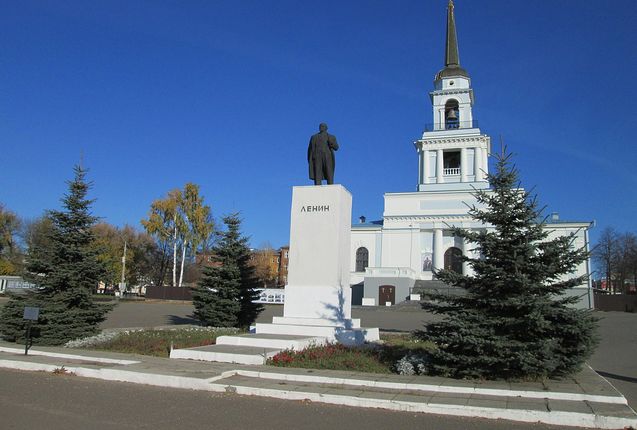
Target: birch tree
[
  {"x": 196, "y": 222},
  {"x": 182, "y": 221},
  {"x": 163, "y": 224}
]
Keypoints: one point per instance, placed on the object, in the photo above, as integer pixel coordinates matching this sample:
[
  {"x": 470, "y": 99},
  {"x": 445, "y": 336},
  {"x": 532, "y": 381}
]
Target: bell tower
[{"x": 452, "y": 152}]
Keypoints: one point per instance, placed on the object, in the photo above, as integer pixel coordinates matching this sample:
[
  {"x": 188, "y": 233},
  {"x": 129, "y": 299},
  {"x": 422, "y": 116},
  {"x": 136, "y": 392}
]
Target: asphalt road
[
  {"x": 616, "y": 356},
  {"x": 52, "y": 402},
  {"x": 158, "y": 313}
]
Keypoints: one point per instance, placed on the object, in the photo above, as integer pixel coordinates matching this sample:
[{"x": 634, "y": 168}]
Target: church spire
[
  {"x": 452, "y": 58},
  {"x": 451, "y": 49}
]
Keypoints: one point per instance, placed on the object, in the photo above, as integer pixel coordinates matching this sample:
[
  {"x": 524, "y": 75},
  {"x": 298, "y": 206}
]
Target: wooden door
[{"x": 386, "y": 293}]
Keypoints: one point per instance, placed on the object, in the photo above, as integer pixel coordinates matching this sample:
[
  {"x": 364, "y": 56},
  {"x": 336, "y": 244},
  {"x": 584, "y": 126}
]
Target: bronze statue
[{"x": 320, "y": 156}]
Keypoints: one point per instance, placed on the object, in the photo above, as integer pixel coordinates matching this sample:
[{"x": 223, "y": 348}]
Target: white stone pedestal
[
  {"x": 318, "y": 294},
  {"x": 318, "y": 270}
]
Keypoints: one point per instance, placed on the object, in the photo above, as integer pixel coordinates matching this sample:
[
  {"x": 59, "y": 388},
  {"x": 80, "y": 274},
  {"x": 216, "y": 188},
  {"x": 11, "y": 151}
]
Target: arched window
[
  {"x": 453, "y": 259},
  {"x": 452, "y": 114},
  {"x": 362, "y": 259}
]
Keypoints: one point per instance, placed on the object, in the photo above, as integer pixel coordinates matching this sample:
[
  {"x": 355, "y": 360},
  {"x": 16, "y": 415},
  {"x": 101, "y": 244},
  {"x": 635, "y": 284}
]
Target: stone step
[
  {"x": 350, "y": 323},
  {"x": 333, "y": 334},
  {"x": 226, "y": 354},
  {"x": 276, "y": 341}
]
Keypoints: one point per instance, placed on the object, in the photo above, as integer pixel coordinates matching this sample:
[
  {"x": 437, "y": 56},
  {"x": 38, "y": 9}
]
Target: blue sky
[{"x": 225, "y": 94}]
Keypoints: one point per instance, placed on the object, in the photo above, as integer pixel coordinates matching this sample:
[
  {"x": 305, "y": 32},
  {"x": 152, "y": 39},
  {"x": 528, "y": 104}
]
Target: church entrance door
[
  {"x": 453, "y": 260},
  {"x": 386, "y": 293}
]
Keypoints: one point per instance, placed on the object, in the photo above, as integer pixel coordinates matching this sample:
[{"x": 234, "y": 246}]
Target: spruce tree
[
  {"x": 513, "y": 320},
  {"x": 224, "y": 296},
  {"x": 66, "y": 270}
]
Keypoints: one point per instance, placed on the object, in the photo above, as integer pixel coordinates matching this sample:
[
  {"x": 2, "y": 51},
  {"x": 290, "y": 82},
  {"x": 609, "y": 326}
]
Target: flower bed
[
  {"x": 380, "y": 358},
  {"x": 152, "y": 342}
]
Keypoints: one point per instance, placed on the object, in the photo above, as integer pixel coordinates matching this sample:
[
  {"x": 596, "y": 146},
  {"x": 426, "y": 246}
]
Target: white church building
[{"x": 394, "y": 257}]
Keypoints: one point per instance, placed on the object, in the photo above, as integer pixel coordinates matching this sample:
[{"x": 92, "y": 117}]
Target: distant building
[
  {"x": 206, "y": 259},
  {"x": 284, "y": 259},
  {"x": 272, "y": 265}
]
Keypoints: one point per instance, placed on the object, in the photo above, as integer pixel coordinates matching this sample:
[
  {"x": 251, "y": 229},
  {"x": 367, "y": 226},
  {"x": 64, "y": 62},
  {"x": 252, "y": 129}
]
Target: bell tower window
[
  {"x": 452, "y": 115},
  {"x": 451, "y": 163}
]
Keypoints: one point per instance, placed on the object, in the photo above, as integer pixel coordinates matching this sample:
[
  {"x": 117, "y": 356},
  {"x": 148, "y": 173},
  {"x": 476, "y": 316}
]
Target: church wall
[
  {"x": 423, "y": 204},
  {"x": 369, "y": 239},
  {"x": 397, "y": 246},
  {"x": 584, "y": 291}
]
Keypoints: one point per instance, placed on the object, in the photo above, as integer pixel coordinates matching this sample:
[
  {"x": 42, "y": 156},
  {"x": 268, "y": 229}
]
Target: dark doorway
[
  {"x": 357, "y": 294},
  {"x": 453, "y": 260},
  {"x": 386, "y": 293}
]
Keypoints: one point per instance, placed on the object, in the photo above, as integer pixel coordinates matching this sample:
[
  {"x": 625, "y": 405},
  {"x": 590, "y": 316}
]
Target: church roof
[
  {"x": 370, "y": 224},
  {"x": 452, "y": 57}
]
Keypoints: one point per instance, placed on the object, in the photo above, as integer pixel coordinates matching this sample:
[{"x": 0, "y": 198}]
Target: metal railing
[
  {"x": 451, "y": 125},
  {"x": 270, "y": 295},
  {"x": 454, "y": 171}
]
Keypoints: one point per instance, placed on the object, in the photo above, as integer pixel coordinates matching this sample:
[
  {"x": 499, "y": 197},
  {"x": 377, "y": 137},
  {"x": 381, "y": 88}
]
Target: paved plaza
[{"x": 614, "y": 360}]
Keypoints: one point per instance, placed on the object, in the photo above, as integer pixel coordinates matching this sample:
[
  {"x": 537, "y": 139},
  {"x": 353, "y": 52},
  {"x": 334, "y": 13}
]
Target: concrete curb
[
  {"x": 117, "y": 375},
  {"x": 619, "y": 399},
  {"x": 216, "y": 384},
  {"x": 69, "y": 356},
  {"x": 570, "y": 419}
]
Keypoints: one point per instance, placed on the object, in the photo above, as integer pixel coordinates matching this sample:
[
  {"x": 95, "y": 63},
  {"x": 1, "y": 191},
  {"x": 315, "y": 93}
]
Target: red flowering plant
[{"x": 333, "y": 356}]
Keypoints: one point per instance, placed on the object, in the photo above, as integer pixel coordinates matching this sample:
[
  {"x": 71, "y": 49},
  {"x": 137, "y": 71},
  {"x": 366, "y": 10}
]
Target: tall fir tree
[
  {"x": 515, "y": 319},
  {"x": 66, "y": 270},
  {"x": 225, "y": 294}
]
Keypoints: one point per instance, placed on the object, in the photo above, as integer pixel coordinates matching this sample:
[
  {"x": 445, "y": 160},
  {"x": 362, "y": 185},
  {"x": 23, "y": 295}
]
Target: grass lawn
[{"x": 153, "y": 342}]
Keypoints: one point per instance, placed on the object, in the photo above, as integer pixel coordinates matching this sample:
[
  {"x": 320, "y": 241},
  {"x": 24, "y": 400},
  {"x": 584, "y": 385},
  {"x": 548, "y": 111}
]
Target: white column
[
  {"x": 465, "y": 265},
  {"x": 439, "y": 258},
  {"x": 425, "y": 167},
  {"x": 420, "y": 172},
  {"x": 439, "y": 165},
  {"x": 471, "y": 253},
  {"x": 477, "y": 163},
  {"x": 485, "y": 163},
  {"x": 463, "y": 164},
  {"x": 441, "y": 116}
]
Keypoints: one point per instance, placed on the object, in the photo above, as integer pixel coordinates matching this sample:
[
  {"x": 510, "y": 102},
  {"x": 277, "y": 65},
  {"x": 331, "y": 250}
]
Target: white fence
[
  {"x": 271, "y": 295},
  {"x": 14, "y": 284}
]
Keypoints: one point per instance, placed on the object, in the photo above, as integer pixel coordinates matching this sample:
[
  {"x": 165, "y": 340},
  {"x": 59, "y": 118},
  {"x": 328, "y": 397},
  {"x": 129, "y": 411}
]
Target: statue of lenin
[{"x": 320, "y": 156}]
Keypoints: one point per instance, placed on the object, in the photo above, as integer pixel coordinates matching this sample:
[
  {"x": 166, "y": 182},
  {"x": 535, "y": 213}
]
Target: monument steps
[
  {"x": 279, "y": 341},
  {"x": 269, "y": 339},
  {"x": 239, "y": 354},
  {"x": 347, "y": 336},
  {"x": 349, "y": 323}
]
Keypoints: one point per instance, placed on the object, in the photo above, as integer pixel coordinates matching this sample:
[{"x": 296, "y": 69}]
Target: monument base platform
[
  {"x": 284, "y": 333},
  {"x": 317, "y": 307}
]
